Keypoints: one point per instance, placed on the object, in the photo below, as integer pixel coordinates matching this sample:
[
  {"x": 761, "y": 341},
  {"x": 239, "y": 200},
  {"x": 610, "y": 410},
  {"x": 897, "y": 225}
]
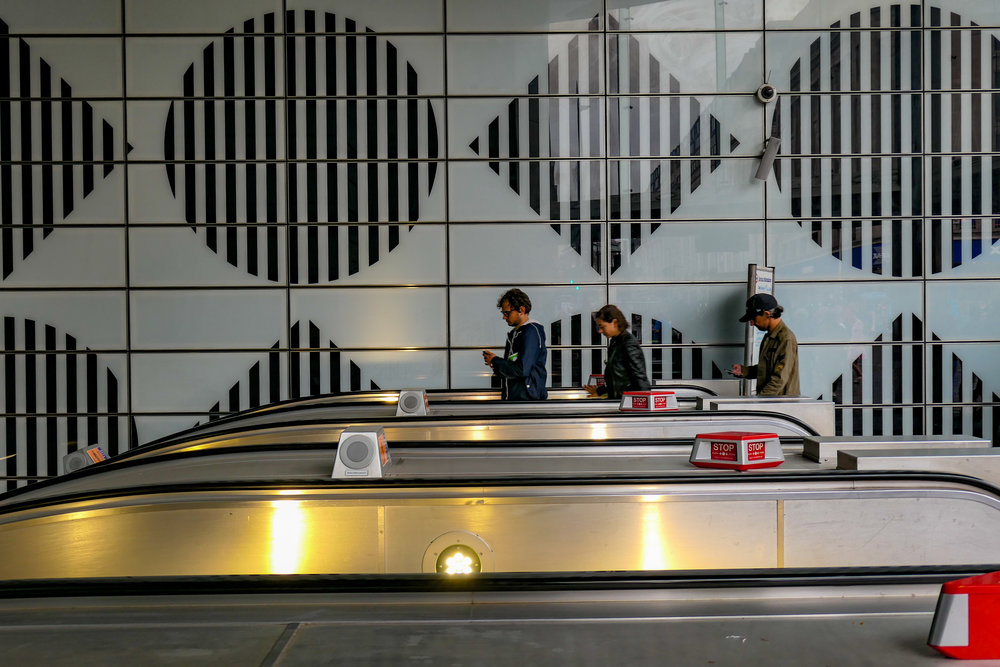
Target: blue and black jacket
[{"x": 522, "y": 368}]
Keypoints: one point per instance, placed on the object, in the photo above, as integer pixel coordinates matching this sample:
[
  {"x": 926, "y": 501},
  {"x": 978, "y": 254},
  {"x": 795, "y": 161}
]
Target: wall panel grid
[{"x": 206, "y": 209}]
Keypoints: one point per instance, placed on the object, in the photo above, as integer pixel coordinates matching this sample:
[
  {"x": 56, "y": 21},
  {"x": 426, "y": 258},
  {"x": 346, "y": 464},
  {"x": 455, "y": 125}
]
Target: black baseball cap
[{"x": 757, "y": 304}]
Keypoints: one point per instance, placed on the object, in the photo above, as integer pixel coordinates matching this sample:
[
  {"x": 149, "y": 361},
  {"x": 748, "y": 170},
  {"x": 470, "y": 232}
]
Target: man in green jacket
[{"x": 777, "y": 368}]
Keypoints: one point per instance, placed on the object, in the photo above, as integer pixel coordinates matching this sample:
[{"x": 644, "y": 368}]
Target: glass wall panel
[
  {"x": 684, "y": 189},
  {"x": 985, "y": 14},
  {"x": 525, "y": 64},
  {"x": 963, "y": 248},
  {"x": 180, "y": 67},
  {"x": 345, "y": 318},
  {"x": 178, "y": 193},
  {"x": 681, "y": 251},
  {"x": 85, "y": 320},
  {"x": 685, "y": 125},
  {"x": 526, "y": 127},
  {"x": 689, "y": 63},
  {"x": 215, "y": 255},
  {"x": 685, "y": 15},
  {"x": 860, "y": 60},
  {"x": 63, "y": 16},
  {"x": 963, "y": 310},
  {"x": 194, "y": 16},
  {"x": 523, "y": 15},
  {"x": 683, "y": 314},
  {"x": 207, "y": 382},
  {"x": 368, "y": 254},
  {"x": 872, "y": 385},
  {"x": 80, "y": 256},
  {"x": 565, "y": 252},
  {"x": 807, "y": 14},
  {"x": 380, "y": 15},
  {"x": 557, "y": 190},
  {"x": 207, "y": 319},
  {"x": 66, "y": 67},
  {"x": 853, "y": 312},
  {"x": 846, "y": 249}
]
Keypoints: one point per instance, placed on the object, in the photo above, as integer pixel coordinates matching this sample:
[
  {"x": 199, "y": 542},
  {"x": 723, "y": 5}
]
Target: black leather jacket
[{"x": 625, "y": 369}]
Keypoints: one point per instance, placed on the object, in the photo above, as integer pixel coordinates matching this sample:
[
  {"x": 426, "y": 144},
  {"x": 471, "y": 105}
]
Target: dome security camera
[{"x": 767, "y": 93}]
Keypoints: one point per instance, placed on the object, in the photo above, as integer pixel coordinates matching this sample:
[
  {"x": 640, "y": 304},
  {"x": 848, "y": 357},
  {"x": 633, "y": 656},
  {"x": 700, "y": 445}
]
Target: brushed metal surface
[
  {"x": 824, "y": 448},
  {"x": 532, "y": 528}
]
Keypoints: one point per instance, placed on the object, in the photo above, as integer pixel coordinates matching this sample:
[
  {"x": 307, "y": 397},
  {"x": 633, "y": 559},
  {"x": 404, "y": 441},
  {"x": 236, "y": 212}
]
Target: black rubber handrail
[
  {"x": 607, "y": 479},
  {"x": 192, "y": 434},
  {"x": 488, "y": 582}
]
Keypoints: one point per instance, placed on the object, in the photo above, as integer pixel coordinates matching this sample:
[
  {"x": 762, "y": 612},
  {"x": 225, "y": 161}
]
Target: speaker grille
[
  {"x": 410, "y": 402},
  {"x": 356, "y": 453}
]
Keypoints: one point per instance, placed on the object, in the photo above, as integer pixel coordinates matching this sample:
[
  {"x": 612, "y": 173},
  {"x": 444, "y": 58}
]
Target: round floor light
[{"x": 458, "y": 553}]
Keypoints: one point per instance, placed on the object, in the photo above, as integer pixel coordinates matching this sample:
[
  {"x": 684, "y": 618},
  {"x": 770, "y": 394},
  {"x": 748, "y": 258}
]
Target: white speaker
[
  {"x": 412, "y": 402},
  {"x": 82, "y": 458},
  {"x": 362, "y": 453}
]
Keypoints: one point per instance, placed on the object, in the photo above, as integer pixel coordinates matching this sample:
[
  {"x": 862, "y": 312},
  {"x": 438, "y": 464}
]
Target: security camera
[
  {"x": 767, "y": 158},
  {"x": 767, "y": 93}
]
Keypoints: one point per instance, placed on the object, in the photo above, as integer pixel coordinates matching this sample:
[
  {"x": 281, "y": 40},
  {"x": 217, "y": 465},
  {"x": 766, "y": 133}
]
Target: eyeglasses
[{"x": 506, "y": 313}]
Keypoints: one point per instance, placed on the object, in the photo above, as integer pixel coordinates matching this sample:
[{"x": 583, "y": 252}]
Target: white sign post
[{"x": 760, "y": 280}]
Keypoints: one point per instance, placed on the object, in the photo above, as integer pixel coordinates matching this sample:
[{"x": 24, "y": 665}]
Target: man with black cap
[{"x": 777, "y": 368}]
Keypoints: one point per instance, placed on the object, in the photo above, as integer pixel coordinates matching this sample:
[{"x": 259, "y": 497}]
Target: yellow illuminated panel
[
  {"x": 654, "y": 548},
  {"x": 288, "y": 530}
]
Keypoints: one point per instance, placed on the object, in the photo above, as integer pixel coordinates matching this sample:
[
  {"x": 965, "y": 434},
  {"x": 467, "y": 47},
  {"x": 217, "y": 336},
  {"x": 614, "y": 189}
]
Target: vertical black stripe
[
  {"x": 30, "y": 398},
  {"x": 71, "y": 395},
  {"x": 51, "y": 398},
  {"x": 253, "y": 389},
  {"x": 274, "y": 375},
  {"x": 295, "y": 369},
  {"x": 534, "y": 151},
  {"x": 355, "y": 377},
  {"x": 67, "y": 147},
  {"x": 6, "y": 179},
  {"x": 412, "y": 148},
  {"x": 111, "y": 421},
  {"x": 335, "y": 384},
  {"x": 795, "y": 138},
  {"x": 10, "y": 396},
  {"x": 513, "y": 147},
  {"x": 90, "y": 369},
  {"x": 353, "y": 253},
  {"x": 314, "y": 360},
  {"x": 694, "y": 136},
  {"x": 555, "y": 338}
]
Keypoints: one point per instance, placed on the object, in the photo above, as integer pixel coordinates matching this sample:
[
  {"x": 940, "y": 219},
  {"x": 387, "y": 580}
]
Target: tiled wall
[{"x": 207, "y": 206}]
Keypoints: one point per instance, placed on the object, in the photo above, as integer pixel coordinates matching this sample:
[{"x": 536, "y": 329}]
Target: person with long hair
[{"x": 625, "y": 369}]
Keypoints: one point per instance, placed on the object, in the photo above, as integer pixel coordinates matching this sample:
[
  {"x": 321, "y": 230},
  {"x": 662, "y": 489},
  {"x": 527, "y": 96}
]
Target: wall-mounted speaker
[
  {"x": 362, "y": 453},
  {"x": 412, "y": 402},
  {"x": 82, "y": 458}
]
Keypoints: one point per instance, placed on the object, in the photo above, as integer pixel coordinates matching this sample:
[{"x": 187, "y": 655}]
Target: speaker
[
  {"x": 362, "y": 453},
  {"x": 82, "y": 458},
  {"x": 412, "y": 402},
  {"x": 767, "y": 159}
]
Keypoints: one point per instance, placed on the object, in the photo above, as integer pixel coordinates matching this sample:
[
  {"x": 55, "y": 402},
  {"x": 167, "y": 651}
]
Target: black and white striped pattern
[
  {"x": 53, "y": 150},
  {"x": 323, "y": 369},
  {"x": 261, "y": 386},
  {"x": 884, "y": 375},
  {"x": 534, "y": 129},
  {"x": 57, "y": 397},
  {"x": 366, "y": 157},
  {"x": 316, "y": 367},
  {"x": 570, "y": 367},
  {"x": 887, "y": 123},
  {"x": 890, "y": 383}
]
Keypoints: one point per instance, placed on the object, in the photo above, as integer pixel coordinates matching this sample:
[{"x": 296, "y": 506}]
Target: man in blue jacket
[{"x": 522, "y": 368}]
